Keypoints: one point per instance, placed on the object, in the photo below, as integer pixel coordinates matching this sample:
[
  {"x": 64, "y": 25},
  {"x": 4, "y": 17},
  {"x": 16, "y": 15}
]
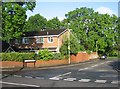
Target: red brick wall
[
  {"x": 11, "y": 64},
  {"x": 80, "y": 57},
  {"x": 39, "y": 63}
]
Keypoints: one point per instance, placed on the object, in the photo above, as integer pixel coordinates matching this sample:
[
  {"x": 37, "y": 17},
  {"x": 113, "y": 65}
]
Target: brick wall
[{"x": 80, "y": 57}]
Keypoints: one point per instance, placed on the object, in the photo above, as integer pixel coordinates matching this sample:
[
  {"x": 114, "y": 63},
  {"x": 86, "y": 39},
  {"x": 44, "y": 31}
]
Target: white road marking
[
  {"x": 84, "y": 69},
  {"x": 58, "y": 75},
  {"x": 66, "y": 73},
  {"x": 84, "y": 80},
  {"x": 95, "y": 65},
  {"x": 100, "y": 81},
  {"x": 109, "y": 76},
  {"x": 108, "y": 61},
  {"x": 70, "y": 79},
  {"x": 54, "y": 78},
  {"x": 63, "y": 74},
  {"x": 80, "y": 69},
  {"x": 39, "y": 77},
  {"x": 115, "y": 82},
  {"x": 17, "y": 76},
  {"x": 19, "y": 84},
  {"x": 28, "y": 77}
]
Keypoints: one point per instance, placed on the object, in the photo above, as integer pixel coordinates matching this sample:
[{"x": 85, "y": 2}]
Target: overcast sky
[{"x": 58, "y": 8}]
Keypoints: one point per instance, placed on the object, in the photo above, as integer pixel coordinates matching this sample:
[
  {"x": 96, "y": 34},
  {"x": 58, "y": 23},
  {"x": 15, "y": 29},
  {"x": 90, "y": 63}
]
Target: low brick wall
[
  {"x": 41, "y": 63},
  {"x": 93, "y": 55},
  {"x": 80, "y": 57},
  {"x": 10, "y": 64}
]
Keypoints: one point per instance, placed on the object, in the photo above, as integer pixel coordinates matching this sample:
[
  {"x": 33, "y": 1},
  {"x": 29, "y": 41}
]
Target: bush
[
  {"x": 88, "y": 51},
  {"x": 74, "y": 46},
  {"x": 113, "y": 53},
  {"x": 45, "y": 55},
  {"x": 57, "y": 56},
  {"x": 16, "y": 56}
]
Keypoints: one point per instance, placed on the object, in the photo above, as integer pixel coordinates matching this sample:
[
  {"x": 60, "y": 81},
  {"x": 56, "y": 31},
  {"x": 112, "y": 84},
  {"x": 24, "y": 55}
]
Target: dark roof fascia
[
  {"x": 46, "y": 35},
  {"x": 62, "y": 32}
]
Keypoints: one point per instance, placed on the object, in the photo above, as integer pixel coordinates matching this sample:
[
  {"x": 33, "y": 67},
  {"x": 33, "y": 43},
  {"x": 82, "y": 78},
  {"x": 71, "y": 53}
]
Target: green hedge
[
  {"x": 16, "y": 56},
  {"x": 57, "y": 56},
  {"x": 42, "y": 55},
  {"x": 46, "y": 55}
]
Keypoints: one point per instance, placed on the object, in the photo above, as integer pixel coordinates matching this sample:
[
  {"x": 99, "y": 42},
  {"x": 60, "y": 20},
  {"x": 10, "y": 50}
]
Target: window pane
[
  {"x": 25, "y": 40},
  {"x": 50, "y": 39},
  {"x": 39, "y": 40}
]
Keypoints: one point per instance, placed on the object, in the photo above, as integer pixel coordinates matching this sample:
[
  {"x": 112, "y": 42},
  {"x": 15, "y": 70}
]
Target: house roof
[{"x": 44, "y": 33}]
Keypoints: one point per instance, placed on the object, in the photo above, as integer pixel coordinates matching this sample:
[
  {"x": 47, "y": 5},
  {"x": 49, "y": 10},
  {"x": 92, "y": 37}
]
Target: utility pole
[
  {"x": 96, "y": 46},
  {"x": 69, "y": 45}
]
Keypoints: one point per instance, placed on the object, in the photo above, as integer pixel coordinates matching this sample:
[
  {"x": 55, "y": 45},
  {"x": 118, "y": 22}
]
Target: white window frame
[
  {"x": 39, "y": 40},
  {"x": 50, "y": 39},
  {"x": 25, "y": 40},
  {"x": 16, "y": 41}
]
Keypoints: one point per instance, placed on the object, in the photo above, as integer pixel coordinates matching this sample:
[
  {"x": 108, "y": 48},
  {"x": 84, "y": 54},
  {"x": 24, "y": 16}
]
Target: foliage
[
  {"x": 88, "y": 51},
  {"x": 96, "y": 32},
  {"x": 16, "y": 56},
  {"x": 13, "y": 18},
  {"x": 113, "y": 53},
  {"x": 36, "y": 22},
  {"x": 73, "y": 43},
  {"x": 45, "y": 55},
  {"x": 57, "y": 56},
  {"x": 54, "y": 24}
]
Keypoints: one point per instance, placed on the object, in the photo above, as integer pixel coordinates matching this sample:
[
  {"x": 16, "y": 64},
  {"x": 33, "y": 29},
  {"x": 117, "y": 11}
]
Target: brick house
[{"x": 50, "y": 39}]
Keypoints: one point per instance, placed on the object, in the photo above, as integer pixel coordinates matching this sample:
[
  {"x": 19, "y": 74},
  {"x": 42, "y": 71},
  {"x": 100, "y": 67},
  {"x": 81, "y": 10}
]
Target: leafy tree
[
  {"x": 13, "y": 18},
  {"x": 36, "y": 22},
  {"x": 71, "y": 42},
  {"x": 96, "y": 32},
  {"x": 54, "y": 24}
]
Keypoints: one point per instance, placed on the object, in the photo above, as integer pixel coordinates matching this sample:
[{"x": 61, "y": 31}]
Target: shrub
[
  {"x": 16, "y": 56},
  {"x": 88, "y": 51},
  {"x": 45, "y": 54},
  {"x": 57, "y": 56},
  {"x": 113, "y": 53},
  {"x": 74, "y": 46}
]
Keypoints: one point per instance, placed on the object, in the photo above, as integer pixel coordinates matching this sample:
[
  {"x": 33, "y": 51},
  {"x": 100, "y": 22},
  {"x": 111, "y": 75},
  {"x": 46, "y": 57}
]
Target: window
[
  {"x": 39, "y": 40},
  {"x": 50, "y": 39},
  {"x": 16, "y": 41},
  {"x": 25, "y": 40}
]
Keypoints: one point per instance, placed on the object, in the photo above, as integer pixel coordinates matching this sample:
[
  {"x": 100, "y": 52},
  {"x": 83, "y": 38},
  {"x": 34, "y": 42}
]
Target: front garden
[{"x": 42, "y": 55}]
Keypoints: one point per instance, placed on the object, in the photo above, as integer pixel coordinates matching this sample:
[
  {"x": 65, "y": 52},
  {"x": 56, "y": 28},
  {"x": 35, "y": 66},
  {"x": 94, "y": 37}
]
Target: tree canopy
[
  {"x": 13, "y": 18},
  {"x": 96, "y": 32},
  {"x": 54, "y": 24},
  {"x": 70, "y": 43},
  {"x": 92, "y": 31},
  {"x": 35, "y": 23}
]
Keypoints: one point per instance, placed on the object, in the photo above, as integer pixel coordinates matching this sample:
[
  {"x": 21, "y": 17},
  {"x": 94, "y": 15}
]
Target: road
[{"x": 95, "y": 73}]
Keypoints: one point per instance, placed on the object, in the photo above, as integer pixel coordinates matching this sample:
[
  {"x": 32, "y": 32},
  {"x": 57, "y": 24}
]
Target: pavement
[{"x": 95, "y": 73}]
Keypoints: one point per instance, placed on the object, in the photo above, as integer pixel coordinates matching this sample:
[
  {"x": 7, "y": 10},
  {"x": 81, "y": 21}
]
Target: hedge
[
  {"x": 43, "y": 55},
  {"x": 16, "y": 56},
  {"x": 57, "y": 56}
]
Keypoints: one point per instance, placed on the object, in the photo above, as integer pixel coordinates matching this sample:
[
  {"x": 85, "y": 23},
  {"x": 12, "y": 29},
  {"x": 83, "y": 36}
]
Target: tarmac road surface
[{"x": 95, "y": 73}]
